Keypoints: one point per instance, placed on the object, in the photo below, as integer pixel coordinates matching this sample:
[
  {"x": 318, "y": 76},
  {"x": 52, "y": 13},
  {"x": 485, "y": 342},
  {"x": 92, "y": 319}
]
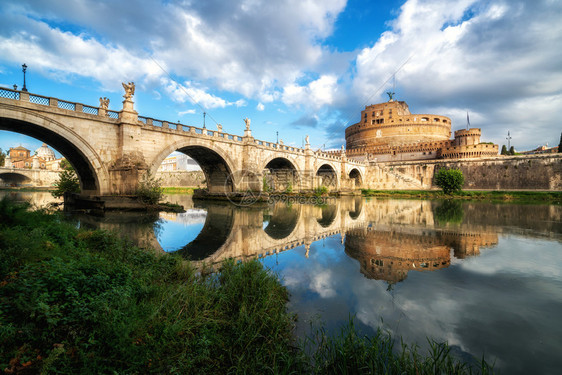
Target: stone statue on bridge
[
  {"x": 306, "y": 140},
  {"x": 247, "y": 121},
  {"x": 129, "y": 90},
  {"x": 219, "y": 128},
  {"x": 104, "y": 103}
]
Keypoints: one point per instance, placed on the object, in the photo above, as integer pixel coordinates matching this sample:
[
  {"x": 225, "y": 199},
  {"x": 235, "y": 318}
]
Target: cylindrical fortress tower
[{"x": 392, "y": 124}]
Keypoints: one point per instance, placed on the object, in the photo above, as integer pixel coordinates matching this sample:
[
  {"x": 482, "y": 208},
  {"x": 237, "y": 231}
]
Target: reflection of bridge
[
  {"x": 257, "y": 233},
  {"x": 112, "y": 150},
  {"x": 28, "y": 177}
]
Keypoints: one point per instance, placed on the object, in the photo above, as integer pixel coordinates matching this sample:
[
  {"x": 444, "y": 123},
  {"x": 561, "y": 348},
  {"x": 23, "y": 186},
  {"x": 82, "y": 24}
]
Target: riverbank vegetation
[
  {"x": 551, "y": 197},
  {"x": 86, "y": 301},
  {"x": 179, "y": 190}
]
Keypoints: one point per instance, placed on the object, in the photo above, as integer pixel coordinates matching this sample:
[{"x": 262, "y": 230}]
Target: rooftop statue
[
  {"x": 247, "y": 121},
  {"x": 129, "y": 90}
]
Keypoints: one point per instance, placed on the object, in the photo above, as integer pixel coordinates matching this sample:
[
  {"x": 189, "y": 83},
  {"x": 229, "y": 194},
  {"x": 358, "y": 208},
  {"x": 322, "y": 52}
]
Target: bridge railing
[
  {"x": 188, "y": 128},
  {"x": 54, "y": 102}
]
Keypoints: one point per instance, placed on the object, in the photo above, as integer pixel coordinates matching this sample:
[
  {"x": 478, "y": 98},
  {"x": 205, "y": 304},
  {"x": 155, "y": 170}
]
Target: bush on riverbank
[{"x": 82, "y": 301}]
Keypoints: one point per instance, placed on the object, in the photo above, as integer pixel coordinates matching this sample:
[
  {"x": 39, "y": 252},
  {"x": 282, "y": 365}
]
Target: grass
[
  {"x": 178, "y": 190},
  {"x": 86, "y": 301},
  {"x": 554, "y": 197}
]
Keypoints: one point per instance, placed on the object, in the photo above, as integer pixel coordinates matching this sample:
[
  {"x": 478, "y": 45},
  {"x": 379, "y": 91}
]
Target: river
[{"x": 485, "y": 277}]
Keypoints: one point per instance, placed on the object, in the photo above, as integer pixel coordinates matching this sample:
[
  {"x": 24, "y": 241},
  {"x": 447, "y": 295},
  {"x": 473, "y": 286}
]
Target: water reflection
[
  {"x": 38, "y": 199},
  {"x": 496, "y": 285}
]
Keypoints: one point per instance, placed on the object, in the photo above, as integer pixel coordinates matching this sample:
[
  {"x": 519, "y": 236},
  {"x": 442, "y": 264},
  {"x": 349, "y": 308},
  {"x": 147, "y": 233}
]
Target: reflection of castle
[
  {"x": 388, "y": 131},
  {"x": 44, "y": 158},
  {"x": 390, "y": 254}
]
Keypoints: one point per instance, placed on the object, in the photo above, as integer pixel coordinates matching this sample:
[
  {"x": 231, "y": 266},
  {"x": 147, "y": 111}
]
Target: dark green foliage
[
  {"x": 80, "y": 301},
  {"x": 504, "y": 150},
  {"x": 321, "y": 190},
  {"x": 68, "y": 181},
  {"x": 2, "y": 157},
  {"x": 449, "y": 211},
  {"x": 450, "y": 180},
  {"x": 560, "y": 144},
  {"x": 149, "y": 190},
  {"x": 512, "y": 150}
]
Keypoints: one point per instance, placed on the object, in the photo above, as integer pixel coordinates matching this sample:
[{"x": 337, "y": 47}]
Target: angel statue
[
  {"x": 247, "y": 121},
  {"x": 129, "y": 90},
  {"x": 306, "y": 139},
  {"x": 104, "y": 103}
]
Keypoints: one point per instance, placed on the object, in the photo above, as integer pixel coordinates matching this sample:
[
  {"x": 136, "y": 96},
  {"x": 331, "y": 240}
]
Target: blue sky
[{"x": 295, "y": 67}]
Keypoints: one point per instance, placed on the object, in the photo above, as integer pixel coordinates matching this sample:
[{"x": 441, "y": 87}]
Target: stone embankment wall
[
  {"x": 525, "y": 172},
  {"x": 182, "y": 178}
]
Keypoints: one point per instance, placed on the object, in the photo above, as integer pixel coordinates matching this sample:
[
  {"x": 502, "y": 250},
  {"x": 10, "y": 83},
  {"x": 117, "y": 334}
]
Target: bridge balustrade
[{"x": 9, "y": 94}]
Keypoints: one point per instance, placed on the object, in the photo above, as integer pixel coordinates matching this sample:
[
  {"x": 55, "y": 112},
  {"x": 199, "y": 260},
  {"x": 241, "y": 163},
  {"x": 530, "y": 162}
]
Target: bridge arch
[
  {"x": 281, "y": 174},
  {"x": 13, "y": 178},
  {"x": 215, "y": 162},
  {"x": 93, "y": 176},
  {"x": 355, "y": 174},
  {"x": 328, "y": 176}
]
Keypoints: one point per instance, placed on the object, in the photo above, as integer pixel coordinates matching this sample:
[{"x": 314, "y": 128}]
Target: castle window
[
  {"x": 424, "y": 119},
  {"x": 444, "y": 120},
  {"x": 436, "y": 119}
]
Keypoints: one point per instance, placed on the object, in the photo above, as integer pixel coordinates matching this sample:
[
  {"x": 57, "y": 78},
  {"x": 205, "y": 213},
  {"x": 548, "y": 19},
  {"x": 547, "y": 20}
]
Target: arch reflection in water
[
  {"x": 215, "y": 232},
  {"x": 281, "y": 220}
]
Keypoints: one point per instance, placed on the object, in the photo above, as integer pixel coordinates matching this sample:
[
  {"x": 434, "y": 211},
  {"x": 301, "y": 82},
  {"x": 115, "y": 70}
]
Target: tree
[
  {"x": 68, "y": 181},
  {"x": 504, "y": 150},
  {"x": 512, "y": 150},
  {"x": 3, "y": 157},
  {"x": 450, "y": 180},
  {"x": 560, "y": 144}
]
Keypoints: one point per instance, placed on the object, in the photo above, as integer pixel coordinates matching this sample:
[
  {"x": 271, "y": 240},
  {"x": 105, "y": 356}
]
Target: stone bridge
[
  {"x": 112, "y": 150},
  {"x": 27, "y": 177}
]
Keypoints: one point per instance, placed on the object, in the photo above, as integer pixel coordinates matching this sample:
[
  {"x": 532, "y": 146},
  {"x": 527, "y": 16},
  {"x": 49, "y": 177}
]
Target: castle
[{"x": 389, "y": 132}]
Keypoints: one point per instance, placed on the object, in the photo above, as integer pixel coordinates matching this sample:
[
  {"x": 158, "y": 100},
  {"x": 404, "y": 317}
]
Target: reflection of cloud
[
  {"x": 321, "y": 283},
  {"x": 526, "y": 255}
]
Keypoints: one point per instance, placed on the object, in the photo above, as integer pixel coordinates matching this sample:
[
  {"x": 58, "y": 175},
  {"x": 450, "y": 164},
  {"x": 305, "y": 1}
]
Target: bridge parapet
[{"x": 54, "y": 102}]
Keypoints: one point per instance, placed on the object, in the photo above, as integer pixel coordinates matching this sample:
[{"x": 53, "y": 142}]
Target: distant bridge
[
  {"x": 23, "y": 177},
  {"x": 111, "y": 151}
]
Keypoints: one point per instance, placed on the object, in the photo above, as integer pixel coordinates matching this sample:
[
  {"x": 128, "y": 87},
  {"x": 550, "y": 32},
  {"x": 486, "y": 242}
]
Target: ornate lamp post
[
  {"x": 204, "y": 114},
  {"x": 15, "y": 87},
  {"x": 24, "y": 68}
]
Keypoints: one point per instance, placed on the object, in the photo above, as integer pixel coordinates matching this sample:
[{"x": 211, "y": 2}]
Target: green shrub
[
  {"x": 149, "y": 190},
  {"x": 321, "y": 190},
  {"x": 450, "y": 180}
]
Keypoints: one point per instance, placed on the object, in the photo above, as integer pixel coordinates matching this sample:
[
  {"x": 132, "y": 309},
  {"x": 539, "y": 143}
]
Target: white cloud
[
  {"x": 484, "y": 57},
  {"x": 247, "y": 47},
  {"x": 316, "y": 94},
  {"x": 260, "y": 107},
  {"x": 188, "y": 93},
  {"x": 188, "y": 112}
]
